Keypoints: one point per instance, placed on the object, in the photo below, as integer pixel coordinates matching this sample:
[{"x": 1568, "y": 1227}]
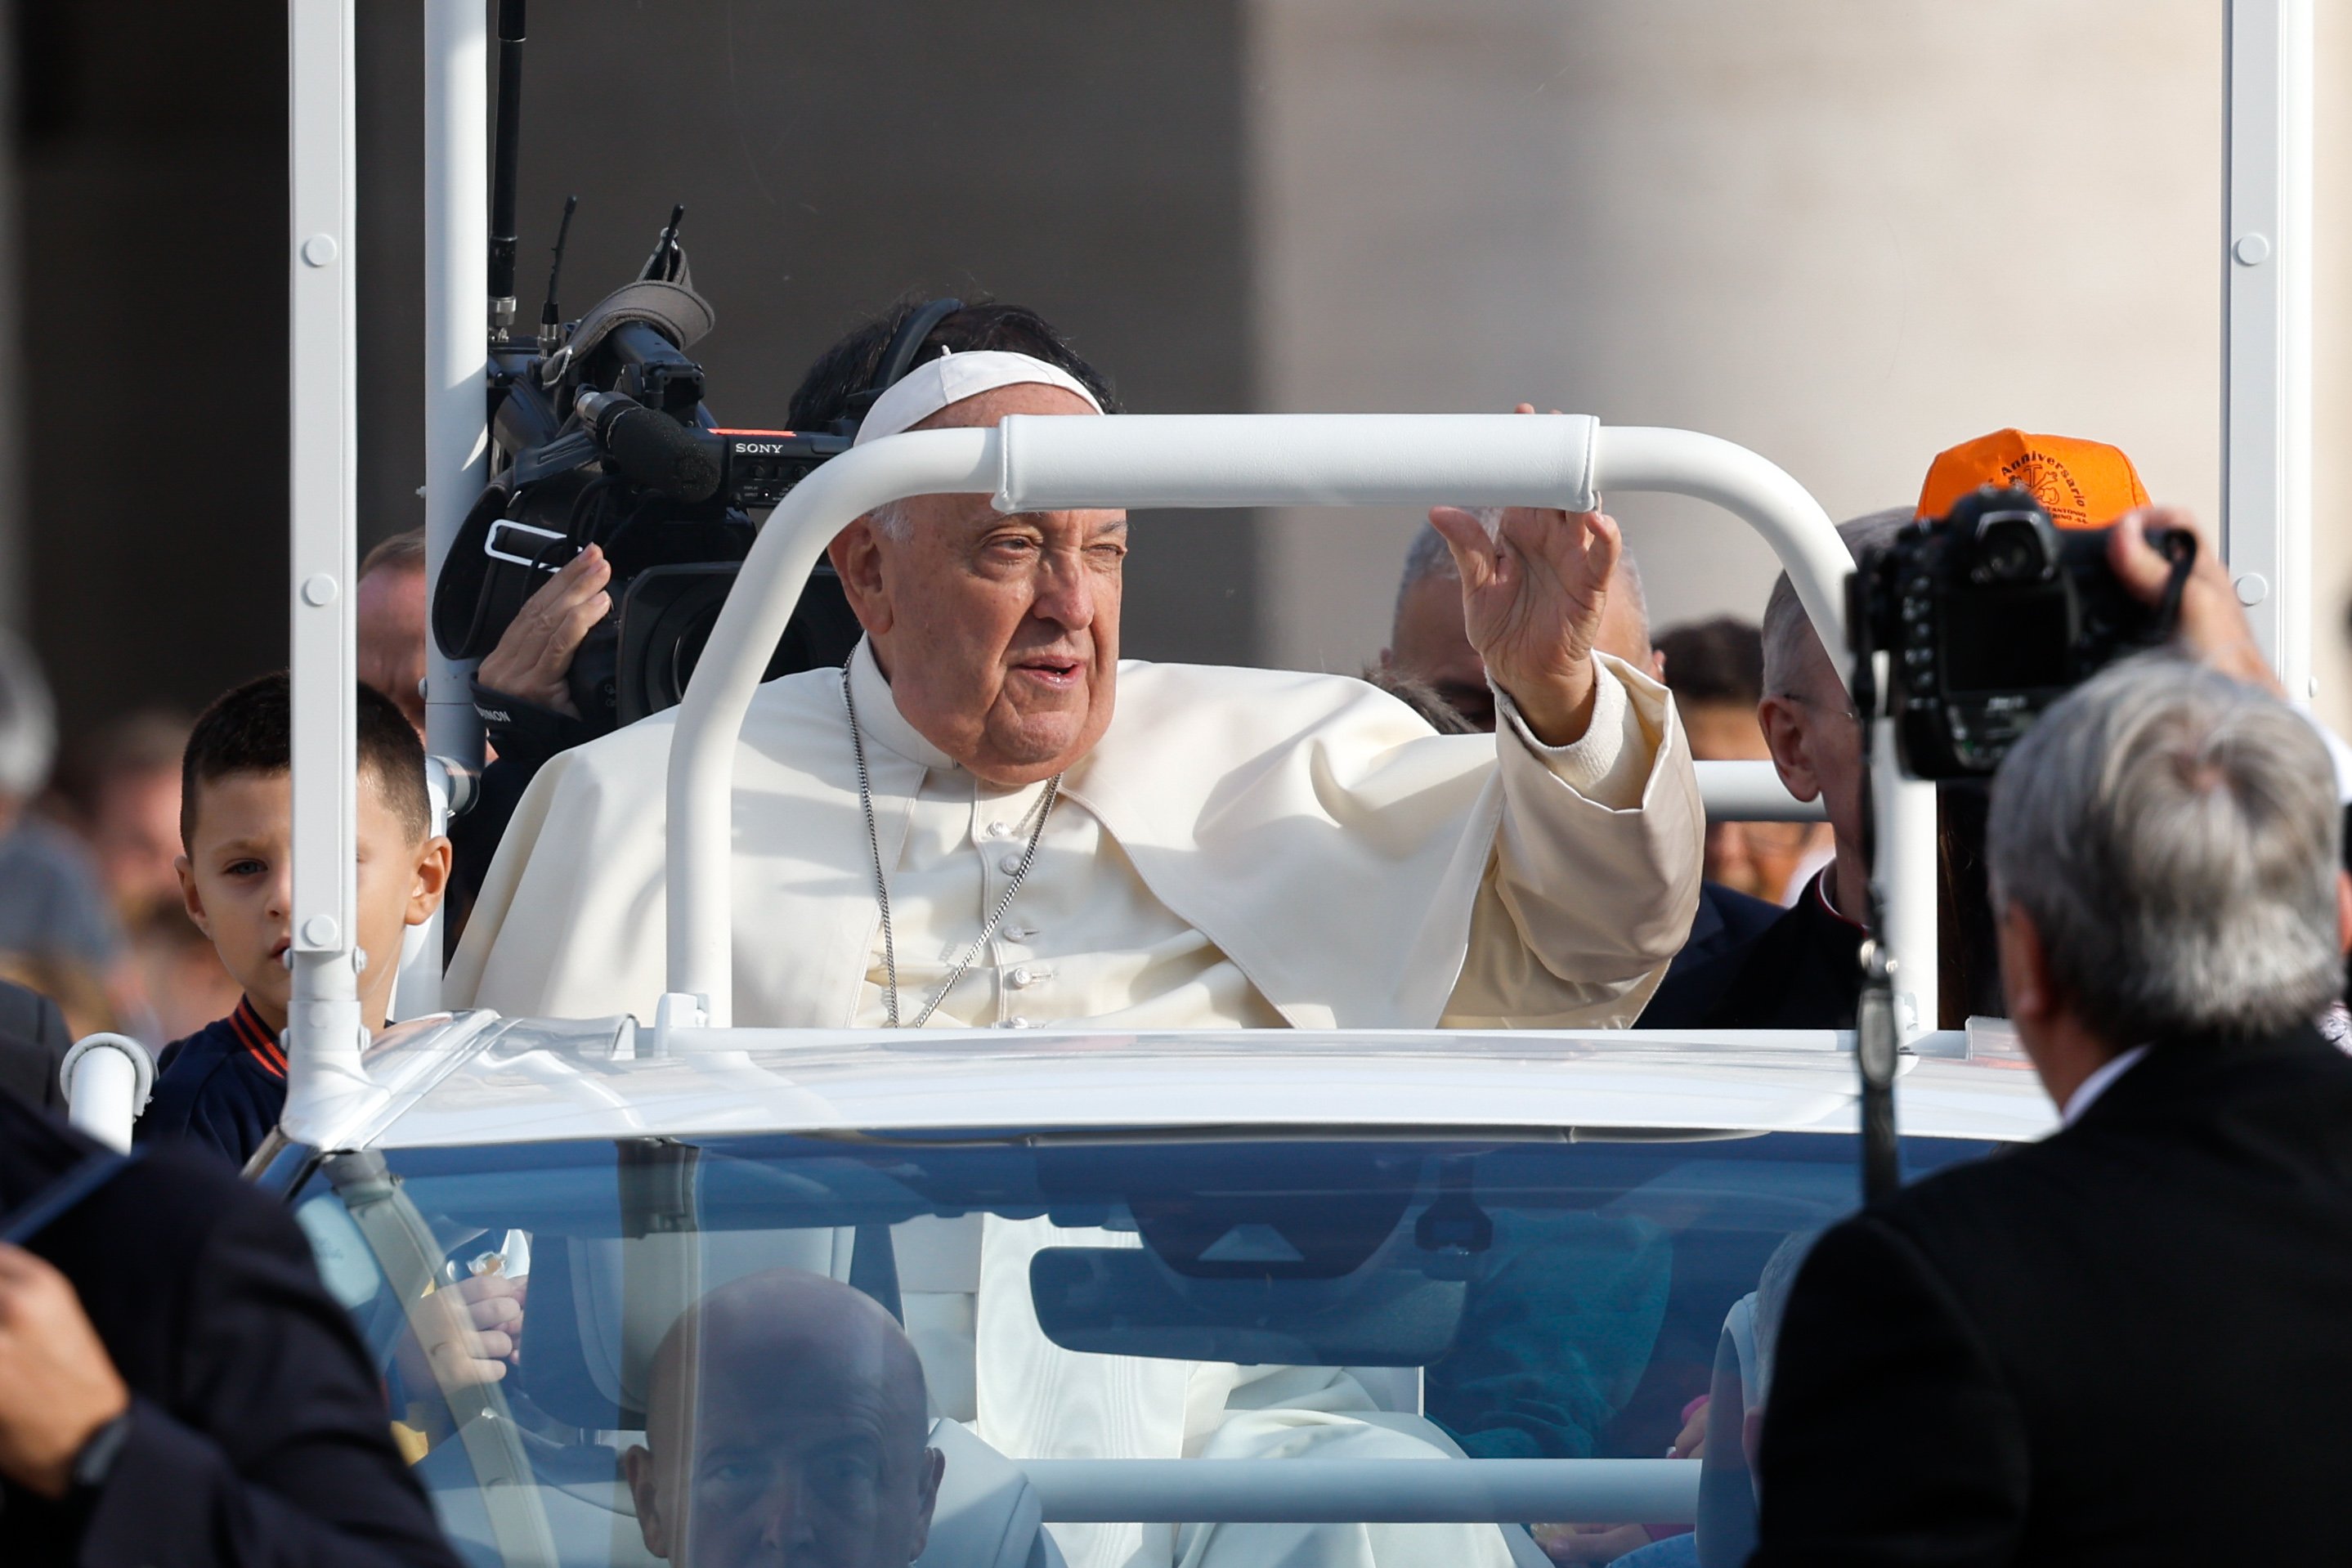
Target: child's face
[{"x": 237, "y": 881}]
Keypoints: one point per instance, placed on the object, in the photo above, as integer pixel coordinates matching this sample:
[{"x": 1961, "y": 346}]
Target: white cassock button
[
  {"x": 999, "y": 829},
  {"x": 1016, "y": 934},
  {"x": 1021, "y": 977},
  {"x": 1015, "y": 1024},
  {"x": 1010, "y": 864}
]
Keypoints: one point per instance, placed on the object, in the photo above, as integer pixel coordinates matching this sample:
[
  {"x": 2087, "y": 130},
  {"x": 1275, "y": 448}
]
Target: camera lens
[{"x": 2013, "y": 547}]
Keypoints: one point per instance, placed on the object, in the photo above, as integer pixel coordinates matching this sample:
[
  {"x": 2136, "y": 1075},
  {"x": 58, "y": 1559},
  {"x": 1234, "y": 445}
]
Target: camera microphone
[{"x": 650, "y": 448}]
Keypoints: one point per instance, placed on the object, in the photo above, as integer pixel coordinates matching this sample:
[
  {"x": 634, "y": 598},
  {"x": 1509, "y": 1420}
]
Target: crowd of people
[{"x": 980, "y": 818}]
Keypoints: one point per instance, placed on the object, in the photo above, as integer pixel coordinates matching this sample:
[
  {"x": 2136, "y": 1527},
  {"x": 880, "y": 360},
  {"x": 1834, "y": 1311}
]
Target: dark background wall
[{"x": 1084, "y": 159}]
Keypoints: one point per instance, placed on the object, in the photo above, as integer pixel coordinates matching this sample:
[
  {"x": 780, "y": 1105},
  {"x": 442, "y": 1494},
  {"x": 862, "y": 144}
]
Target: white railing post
[
  {"x": 2266, "y": 265},
  {"x": 106, "y": 1078},
  {"x": 457, "y": 365},
  {"x": 323, "y": 1022}
]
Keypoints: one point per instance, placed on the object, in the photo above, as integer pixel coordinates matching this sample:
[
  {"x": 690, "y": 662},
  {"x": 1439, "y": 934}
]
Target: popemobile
[{"x": 1352, "y": 1295}]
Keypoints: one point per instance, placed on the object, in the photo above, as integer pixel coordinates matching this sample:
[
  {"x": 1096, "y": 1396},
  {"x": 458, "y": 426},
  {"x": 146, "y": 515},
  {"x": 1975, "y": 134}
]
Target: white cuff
[{"x": 1585, "y": 762}]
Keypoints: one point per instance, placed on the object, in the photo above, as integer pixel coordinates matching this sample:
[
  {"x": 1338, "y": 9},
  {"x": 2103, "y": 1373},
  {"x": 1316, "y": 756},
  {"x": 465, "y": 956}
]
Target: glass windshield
[{"x": 878, "y": 1349}]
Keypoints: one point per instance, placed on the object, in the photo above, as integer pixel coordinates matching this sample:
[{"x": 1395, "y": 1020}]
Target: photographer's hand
[
  {"x": 536, "y": 650},
  {"x": 2214, "y": 626},
  {"x": 1531, "y": 601}
]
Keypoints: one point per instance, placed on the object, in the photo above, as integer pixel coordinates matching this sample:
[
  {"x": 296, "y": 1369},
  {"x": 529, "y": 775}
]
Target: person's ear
[
  {"x": 2344, "y": 912},
  {"x": 2025, "y": 978},
  {"x": 430, "y": 883},
  {"x": 1388, "y": 658},
  {"x": 926, "y": 1497},
  {"x": 637, "y": 1466},
  {"x": 1658, "y": 664},
  {"x": 857, "y": 556},
  {"x": 1788, "y": 734},
  {"x": 192, "y": 897}
]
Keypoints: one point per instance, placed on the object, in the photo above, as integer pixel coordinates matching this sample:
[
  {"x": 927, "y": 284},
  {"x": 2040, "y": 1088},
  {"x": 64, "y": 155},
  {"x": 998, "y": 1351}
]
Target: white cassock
[{"x": 1243, "y": 847}]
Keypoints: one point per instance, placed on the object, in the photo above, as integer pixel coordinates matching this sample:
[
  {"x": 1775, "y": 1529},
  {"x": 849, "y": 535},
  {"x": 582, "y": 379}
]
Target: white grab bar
[
  {"x": 1752, "y": 792},
  {"x": 1365, "y": 1491},
  {"x": 1032, "y": 462},
  {"x": 107, "y": 1078}
]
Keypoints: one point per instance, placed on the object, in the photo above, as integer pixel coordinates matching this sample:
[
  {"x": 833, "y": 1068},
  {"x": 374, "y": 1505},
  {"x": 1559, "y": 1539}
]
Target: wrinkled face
[
  {"x": 786, "y": 1459},
  {"x": 390, "y": 610},
  {"x": 1000, "y": 635}
]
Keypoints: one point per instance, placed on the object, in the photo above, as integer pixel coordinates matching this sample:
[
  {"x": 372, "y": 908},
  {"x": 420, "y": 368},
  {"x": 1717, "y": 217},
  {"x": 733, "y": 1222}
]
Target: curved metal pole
[
  {"x": 710, "y": 718},
  {"x": 1762, "y": 493},
  {"x": 1032, "y": 462}
]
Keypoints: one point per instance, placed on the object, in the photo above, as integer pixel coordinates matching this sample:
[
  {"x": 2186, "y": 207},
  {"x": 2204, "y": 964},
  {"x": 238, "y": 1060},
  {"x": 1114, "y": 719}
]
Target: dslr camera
[{"x": 1989, "y": 614}]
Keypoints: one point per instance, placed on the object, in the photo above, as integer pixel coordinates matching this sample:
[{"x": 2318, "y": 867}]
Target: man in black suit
[
  {"x": 176, "y": 1387},
  {"x": 2128, "y": 1343}
]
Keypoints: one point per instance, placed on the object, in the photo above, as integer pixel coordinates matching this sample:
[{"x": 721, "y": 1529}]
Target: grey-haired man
[{"x": 2125, "y": 1343}]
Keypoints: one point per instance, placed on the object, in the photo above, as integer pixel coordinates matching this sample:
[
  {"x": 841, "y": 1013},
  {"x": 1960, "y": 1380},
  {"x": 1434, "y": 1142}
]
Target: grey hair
[
  {"x": 890, "y": 521},
  {"x": 1789, "y": 631},
  {"x": 28, "y": 721},
  {"x": 2174, "y": 836},
  {"x": 1430, "y": 556}
]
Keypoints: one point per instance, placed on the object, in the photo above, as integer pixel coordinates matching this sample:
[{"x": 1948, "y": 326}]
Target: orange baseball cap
[{"x": 2081, "y": 484}]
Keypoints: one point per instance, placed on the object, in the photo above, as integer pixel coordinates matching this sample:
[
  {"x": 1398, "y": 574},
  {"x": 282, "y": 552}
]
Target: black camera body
[
  {"x": 1991, "y": 615},
  {"x": 601, "y": 435}
]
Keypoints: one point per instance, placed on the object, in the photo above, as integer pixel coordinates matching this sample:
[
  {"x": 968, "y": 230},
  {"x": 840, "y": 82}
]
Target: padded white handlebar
[{"x": 1035, "y": 462}]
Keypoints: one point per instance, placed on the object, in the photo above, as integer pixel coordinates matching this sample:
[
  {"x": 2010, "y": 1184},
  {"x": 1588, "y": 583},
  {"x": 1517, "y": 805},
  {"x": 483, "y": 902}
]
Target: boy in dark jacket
[{"x": 224, "y": 1085}]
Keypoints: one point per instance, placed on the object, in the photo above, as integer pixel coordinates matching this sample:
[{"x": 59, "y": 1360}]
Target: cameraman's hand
[
  {"x": 2214, "y": 626},
  {"x": 536, "y": 651}
]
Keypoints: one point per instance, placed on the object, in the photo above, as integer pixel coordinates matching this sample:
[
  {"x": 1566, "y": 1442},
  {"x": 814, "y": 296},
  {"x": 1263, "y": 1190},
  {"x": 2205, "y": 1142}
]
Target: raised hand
[
  {"x": 1531, "y": 601},
  {"x": 1532, "y": 594}
]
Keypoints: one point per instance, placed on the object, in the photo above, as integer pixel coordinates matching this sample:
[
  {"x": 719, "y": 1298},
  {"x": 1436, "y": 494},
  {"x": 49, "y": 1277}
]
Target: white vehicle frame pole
[
  {"x": 456, "y": 357},
  {"x": 1200, "y": 460},
  {"x": 323, "y": 1023},
  {"x": 456, "y": 431},
  {"x": 2266, "y": 328}
]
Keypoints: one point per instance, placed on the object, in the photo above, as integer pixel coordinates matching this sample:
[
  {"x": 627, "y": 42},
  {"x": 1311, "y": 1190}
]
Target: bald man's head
[{"x": 785, "y": 1424}]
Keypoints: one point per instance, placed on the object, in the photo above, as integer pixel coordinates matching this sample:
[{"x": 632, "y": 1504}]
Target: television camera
[{"x": 601, "y": 434}]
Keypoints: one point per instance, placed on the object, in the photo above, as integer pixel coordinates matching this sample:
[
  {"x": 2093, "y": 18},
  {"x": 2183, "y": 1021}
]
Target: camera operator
[
  {"x": 1798, "y": 974},
  {"x": 2125, "y": 1343}
]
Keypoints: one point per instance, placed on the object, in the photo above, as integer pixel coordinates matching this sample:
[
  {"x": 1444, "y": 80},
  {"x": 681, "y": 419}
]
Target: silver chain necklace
[{"x": 1043, "y": 808}]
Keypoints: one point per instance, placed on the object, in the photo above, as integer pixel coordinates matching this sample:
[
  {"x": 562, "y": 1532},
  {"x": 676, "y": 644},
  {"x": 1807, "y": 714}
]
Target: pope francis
[{"x": 988, "y": 820}]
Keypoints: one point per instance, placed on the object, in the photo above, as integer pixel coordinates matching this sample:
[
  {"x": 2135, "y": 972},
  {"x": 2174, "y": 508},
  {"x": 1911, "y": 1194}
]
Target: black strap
[
  {"x": 61, "y": 1196},
  {"x": 524, "y": 732}
]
